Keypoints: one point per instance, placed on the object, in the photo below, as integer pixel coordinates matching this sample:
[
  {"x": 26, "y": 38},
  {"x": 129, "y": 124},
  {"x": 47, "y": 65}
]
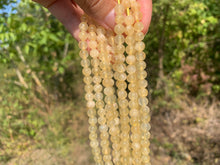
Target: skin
[{"x": 69, "y": 12}]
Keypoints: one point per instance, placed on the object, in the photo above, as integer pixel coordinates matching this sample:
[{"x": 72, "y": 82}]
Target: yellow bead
[
  {"x": 100, "y": 104},
  {"x": 122, "y": 94},
  {"x": 119, "y": 49},
  {"x": 83, "y": 54},
  {"x": 90, "y": 104},
  {"x": 83, "y": 45},
  {"x": 134, "y": 113},
  {"x": 89, "y": 96},
  {"x": 133, "y": 104},
  {"x": 108, "y": 82},
  {"x": 93, "y": 120},
  {"x": 138, "y": 26},
  {"x": 92, "y": 44},
  {"x": 143, "y": 101},
  {"x": 129, "y": 30},
  {"x": 131, "y": 69},
  {"x": 138, "y": 16},
  {"x": 123, "y": 103},
  {"x": 97, "y": 88},
  {"x": 109, "y": 91},
  {"x": 82, "y": 35},
  {"x": 140, "y": 56},
  {"x": 119, "y": 19},
  {"x": 92, "y": 28},
  {"x": 129, "y": 20},
  {"x": 130, "y": 59},
  {"x": 143, "y": 92},
  {"x": 139, "y": 36},
  {"x": 83, "y": 26},
  {"x": 132, "y": 78},
  {"x": 92, "y": 36},
  {"x": 142, "y": 75},
  {"x": 88, "y": 88},
  {"x": 85, "y": 63},
  {"x": 101, "y": 30},
  {"x": 126, "y": 4},
  {"x": 120, "y": 68},
  {"x": 133, "y": 95},
  {"x": 130, "y": 40},
  {"x": 94, "y": 53},
  {"x": 120, "y": 58},
  {"x": 86, "y": 71},
  {"x": 130, "y": 49},
  {"x": 145, "y": 127},
  {"x": 132, "y": 87},
  {"x": 139, "y": 46},
  {"x": 119, "y": 9},
  {"x": 98, "y": 96},
  {"x": 119, "y": 39},
  {"x": 141, "y": 65},
  {"x": 119, "y": 29}
]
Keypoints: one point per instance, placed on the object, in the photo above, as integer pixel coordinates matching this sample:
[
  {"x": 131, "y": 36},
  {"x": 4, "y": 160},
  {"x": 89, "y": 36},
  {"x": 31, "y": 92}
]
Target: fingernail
[{"x": 109, "y": 20}]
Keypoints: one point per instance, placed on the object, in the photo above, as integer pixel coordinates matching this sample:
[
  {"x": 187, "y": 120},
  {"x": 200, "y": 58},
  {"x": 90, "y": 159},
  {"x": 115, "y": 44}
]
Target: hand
[{"x": 69, "y": 12}]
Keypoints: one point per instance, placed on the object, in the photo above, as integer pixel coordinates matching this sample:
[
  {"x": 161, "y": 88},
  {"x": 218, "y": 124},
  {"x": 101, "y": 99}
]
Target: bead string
[{"x": 115, "y": 85}]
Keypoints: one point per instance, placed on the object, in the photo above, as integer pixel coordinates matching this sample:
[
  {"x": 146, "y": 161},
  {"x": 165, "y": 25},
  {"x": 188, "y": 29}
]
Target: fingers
[
  {"x": 100, "y": 10},
  {"x": 68, "y": 14}
]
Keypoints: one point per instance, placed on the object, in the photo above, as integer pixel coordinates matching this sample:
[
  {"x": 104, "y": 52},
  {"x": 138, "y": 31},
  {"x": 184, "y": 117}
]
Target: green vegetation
[{"x": 42, "y": 109}]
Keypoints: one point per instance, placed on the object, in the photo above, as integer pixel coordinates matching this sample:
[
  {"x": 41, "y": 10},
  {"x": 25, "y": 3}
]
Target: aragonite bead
[
  {"x": 92, "y": 36},
  {"x": 139, "y": 46},
  {"x": 119, "y": 39},
  {"x": 119, "y": 9},
  {"x": 130, "y": 59},
  {"x": 119, "y": 29},
  {"x": 139, "y": 36},
  {"x": 129, "y": 30},
  {"x": 83, "y": 26},
  {"x": 92, "y": 28},
  {"x": 119, "y": 19},
  {"x": 82, "y": 35},
  {"x": 129, "y": 20},
  {"x": 130, "y": 40},
  {"x": 83, "y": 45},
  {"x": 138, "y": 26},
  {"x": 140, "y": 56}
]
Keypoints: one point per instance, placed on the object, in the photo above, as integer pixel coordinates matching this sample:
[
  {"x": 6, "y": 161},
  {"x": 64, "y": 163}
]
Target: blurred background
[{"x": 43, "y": 117}]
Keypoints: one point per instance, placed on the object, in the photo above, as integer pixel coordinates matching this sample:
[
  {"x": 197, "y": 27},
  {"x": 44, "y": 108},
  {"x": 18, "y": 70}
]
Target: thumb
[{"x": 100, "y": 10}]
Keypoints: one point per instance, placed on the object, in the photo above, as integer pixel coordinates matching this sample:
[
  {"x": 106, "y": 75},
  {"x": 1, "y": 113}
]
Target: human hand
[{"x": 68, "y": 12}]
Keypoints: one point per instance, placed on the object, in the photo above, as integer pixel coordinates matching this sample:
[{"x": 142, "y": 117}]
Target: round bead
[
  {"x": 89, "y": 96},
  {"x": 92, "y": 44},
  {"x": 92, "y": 36},
  {"x": 139, "y": 36},
  {"x": 142, "y": 83},
  {"x": 119, "y": 19},
  {"x": 139, "y": 46},
  {"x": 97, "y": 88},
  {"x": 83, "y": 26},
  {"x": 129, "y": 20},
  {"x": 130, "y": 40},
  {"x": 130, "y": 59},
  {"x": 82, "y": 35},
  {"x": 83, "y": 54},
  {"x": 140, "y": 56},
  {"x": 119, "y": 39},
  {"x": 143, "y": 92},
  {"x": 131, "y": 69},
  {"x": 85, "y": 63},
  {"x": 138, "y": 26},
  {"x": 122, "y": 94},
  {"x": 83, "y": 45},
  {"x": 119, "y": 29},
  {"x": 119, "y": 9},
  {"x": 92, "y": 28},
  {"x": 143, "y": 101},
  {"x": 130, "y": 49},
  {"x": 129, "y": 30}
]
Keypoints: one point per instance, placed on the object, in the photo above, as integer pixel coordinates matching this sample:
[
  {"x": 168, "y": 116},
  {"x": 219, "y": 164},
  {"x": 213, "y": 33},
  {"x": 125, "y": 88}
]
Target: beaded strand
[{"x": 115, "y": 84}]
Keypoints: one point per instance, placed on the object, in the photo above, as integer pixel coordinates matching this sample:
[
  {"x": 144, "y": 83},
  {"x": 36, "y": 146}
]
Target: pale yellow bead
[
  {"x": 86, "y": 71},
  {"x": 100, "y": 30},
  {"x": 130, "y": 40},
  {"x": 97, "y": 79},
  {"x": 94, "y": 53},
  {"x": 145, "y": 118},
  {"x": 108, "y": 82},
  {"x": 88, "y": 88},
  {"x": 122, "y": 94},
  {"x": 92, "y": 36},
  {"x": 92, "y": 120},
  {"x": 140, "y": 56},
  {"x": 132, "y": 78},
  {"x": 83, "y": 45},
  {"x": 92, "y": 136},
  {"x": 138, "y": 26},
  {"x": 130, "y": 59},
  {"x": 145, "y": 127},
  {"x": 101, "y": 120},
  {"x": 135, "y": 137},
  {"x": 132, "y": 87},
  {"x": 123, "y": 103},
  {"x": 143, "y": 101},
  {"x": 124, "y": 111},
  {"x": 83, "y": 26},
  {"x": 119, "y": 49},
  {"x": 98, "y": 96},
  {"x": 109, "y": 91},
  {"x": 100, "y": 104},
  {"x": 138, "y": 16},
  {"x": 143, "y": 92},
  {"x": 120, "y": 58},
  {"x": 92, "y": 44},
  {"x": 134, "y": 113},
  {"x": 119, "y": 19},
  {"x": 92, "y": 28},
  {"x": 133, "y": 95},
  {"x": 133, "y": 104},
  {"x": 139, "y": 36},
  {"x": 129, "y": 20},
  {"x": 126, "y": 3},
  {"x": 83, "y": 54},
  {"x": 120, "y": 68},
  {"x": 91, "y": 112},
  {"x": 141, "y": 65},
  {"x": 90, "y": 104},
  {"x": 131, "y": 69},
  {"x": 119, "y": 39},
  {"x": 84, "y": 18},
  {"x": 119, "y": 29},
  {"x": 101, "y": 38},
  {"x": 130, "y": 49},
  {"x": 82, "y": 35},
  {"x": 85, "y": 63},
  {"x": 142, "y": 75},
  {"x": 139, "y": 46},
  {"x": 119, "y": 9},
  {"x": 97, "y": 88},
  {"x": 89, "y": 96},
  {"x": 129, "y": 30}
]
